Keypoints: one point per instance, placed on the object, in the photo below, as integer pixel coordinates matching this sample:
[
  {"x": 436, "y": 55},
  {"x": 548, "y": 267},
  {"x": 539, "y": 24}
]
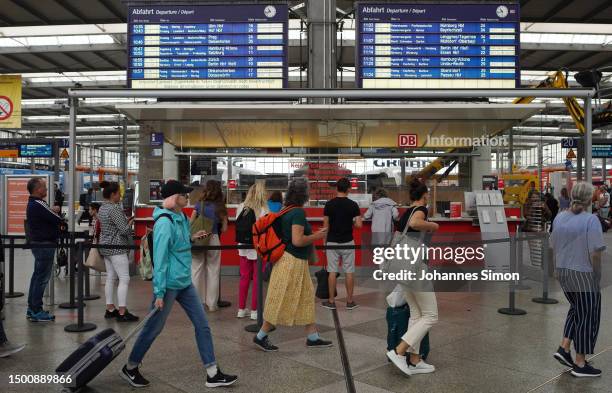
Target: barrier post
[
  {"x": 72, "y": 260},
  {"x": 254, "y": 327},
  {"x": 80, "y": 326},
  {"x": 511, "y": 309},
  {"x": 88, "y": 295},
  {"x": 11, "y": 279},
  {"x": 546, "y": 273}
]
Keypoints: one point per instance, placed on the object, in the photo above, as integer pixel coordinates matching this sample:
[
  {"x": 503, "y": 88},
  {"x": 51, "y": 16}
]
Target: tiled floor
[{"x": 474, "y": 348}]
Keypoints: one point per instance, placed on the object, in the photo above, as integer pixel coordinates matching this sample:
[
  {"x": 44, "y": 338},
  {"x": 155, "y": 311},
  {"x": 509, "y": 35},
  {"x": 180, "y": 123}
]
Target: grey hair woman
[{"x": 577, "y": 242}]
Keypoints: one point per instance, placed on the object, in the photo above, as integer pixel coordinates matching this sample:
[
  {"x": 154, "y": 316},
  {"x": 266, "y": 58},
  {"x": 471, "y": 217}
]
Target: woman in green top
[{"x": 290, "y": 299}]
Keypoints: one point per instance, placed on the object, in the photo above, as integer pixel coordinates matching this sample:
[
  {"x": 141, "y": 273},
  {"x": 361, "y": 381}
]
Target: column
[
  {"x": 481, "y": 166},
  {"x": 322, "y": 46}
]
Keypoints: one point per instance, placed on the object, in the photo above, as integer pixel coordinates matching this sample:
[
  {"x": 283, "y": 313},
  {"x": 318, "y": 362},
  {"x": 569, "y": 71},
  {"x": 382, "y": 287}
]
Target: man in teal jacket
[{"x": 172, "y": 281}]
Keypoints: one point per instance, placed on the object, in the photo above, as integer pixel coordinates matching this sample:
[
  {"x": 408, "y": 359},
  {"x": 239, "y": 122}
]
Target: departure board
[
  {"x": 241, "y": 46},
  {"x": 437, "y": 45}
]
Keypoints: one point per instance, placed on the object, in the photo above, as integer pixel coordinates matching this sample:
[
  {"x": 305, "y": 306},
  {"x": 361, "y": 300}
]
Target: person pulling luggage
[{"x": 172, "y": 281}]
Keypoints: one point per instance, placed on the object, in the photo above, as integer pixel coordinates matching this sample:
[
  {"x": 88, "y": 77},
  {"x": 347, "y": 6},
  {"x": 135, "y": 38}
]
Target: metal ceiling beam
[
  {"x": 79, "y": 61},
  {"x": 109, "y": 60},
  {"x": 49, "y": 60},
  {"x": 111, "y": 8},
  {"x": 68, "y": 7},
  {"x": 61, "y": 48},
  {"x": 23, "y": 62},
  {"x": 546, "y": 60},
  {"x": 353, "y": 94},
  {"x": 596, "y": 11},
  {"x": 551, "y": 14},
  {"x": 31, "y": 11}
]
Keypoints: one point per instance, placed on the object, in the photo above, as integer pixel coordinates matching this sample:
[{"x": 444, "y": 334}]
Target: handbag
[
  {"x": 201, "y": 223},
  {"x": 410, "y": 267},
  {"x": 95, "y": 261}
]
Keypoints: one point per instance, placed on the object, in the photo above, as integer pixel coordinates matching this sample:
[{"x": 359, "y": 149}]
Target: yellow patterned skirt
[{"x": 290, "y": 300}]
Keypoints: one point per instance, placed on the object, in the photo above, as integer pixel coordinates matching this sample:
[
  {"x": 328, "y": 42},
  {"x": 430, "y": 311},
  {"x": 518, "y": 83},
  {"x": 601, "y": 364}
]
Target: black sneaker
[
  {"x": 127, "y": 317},
  {"x": 565, "y": 358},
  {"x": 586, "y": 371},
  {"x": 220, "y": 380},
  {"x": 319, "y": 343},
  {"x": 111, "y": 314},
  {"x": 329, "y": 305},
  {"x": 264, "y": 344},
  {"x": 351, "y": 306},
  {"x": 133, "y": 377}
]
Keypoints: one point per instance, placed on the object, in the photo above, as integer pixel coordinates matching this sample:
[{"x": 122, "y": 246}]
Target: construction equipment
[
  {"x": 601, "y": 116},
  {"x": 517, "y": 186}
]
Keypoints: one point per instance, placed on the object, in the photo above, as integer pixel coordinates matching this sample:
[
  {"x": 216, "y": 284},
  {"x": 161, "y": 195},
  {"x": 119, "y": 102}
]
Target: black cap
[{"x": 173, "y": 187}]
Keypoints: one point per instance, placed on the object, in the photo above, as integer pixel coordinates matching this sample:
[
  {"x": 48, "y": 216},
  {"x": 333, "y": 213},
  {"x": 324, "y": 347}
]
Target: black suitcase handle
[{"x": 140, "y": 325}]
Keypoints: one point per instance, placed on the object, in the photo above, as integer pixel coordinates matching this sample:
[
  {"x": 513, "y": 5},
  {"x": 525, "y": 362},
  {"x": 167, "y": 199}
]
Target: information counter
[{"x": 143, "y": 219}]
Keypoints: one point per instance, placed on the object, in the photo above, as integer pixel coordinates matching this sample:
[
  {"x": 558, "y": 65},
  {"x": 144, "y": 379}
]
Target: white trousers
[
  {"x": 117, "y": 266},
  {"x": 423, "y": 315},
  {"x": 205, "y": 272}
]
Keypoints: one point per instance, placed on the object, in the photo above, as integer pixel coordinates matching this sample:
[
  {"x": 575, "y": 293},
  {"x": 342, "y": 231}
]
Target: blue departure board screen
[
  {"x": 437, "y": 45},
  {"x": 241, "y": 46},
  {"x": 36, "y": 151}
]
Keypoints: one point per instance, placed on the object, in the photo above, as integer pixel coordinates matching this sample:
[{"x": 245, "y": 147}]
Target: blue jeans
[
  {"x": 189, "y": 299},
  {"x": 43, "y": 267}
]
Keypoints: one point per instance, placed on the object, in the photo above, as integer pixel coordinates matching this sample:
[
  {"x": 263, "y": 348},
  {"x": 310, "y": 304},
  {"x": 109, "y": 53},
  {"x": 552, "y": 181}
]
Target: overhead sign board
[
  {"x": 26, "y": 150},
  {"x": 602, "y": 150},
  {"x": 569, "y": 143},
  {"x": 10, "y": 101},
  {"x": 208, "y": 46},
  {"x": 437, "y": 45}
]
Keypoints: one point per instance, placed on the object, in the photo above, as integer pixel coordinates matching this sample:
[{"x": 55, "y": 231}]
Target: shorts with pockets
[{"x": 347, "y": 256}]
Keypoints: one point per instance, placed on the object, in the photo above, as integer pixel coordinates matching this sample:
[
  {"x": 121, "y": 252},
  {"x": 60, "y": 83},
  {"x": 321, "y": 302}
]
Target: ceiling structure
[{"x": 92, "y": 52}]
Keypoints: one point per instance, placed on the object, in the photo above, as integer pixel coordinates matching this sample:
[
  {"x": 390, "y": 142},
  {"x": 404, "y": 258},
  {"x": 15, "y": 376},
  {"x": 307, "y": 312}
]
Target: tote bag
[
  {"x": 416, "y": 266},
  {"x": 95, "y": 261}
]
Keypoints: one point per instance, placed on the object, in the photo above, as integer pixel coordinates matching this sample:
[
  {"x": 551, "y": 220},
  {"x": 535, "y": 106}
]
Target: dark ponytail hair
[
  {"x": 109, "y": 188},
  {"x": 417, "y": 189}
]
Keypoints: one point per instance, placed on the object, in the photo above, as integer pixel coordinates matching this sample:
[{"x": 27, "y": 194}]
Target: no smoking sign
[{"x": 6, "y": 107}]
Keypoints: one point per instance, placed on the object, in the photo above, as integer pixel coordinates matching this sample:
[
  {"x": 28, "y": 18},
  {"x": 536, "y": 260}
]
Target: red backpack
[{"x": 268, "y": 235}]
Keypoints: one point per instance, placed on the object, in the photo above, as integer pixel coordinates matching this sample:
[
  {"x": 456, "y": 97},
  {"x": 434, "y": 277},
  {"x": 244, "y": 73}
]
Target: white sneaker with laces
[
  {"x": 421, "y": 368},
  {"x": 399, "y": 362},
  {"x": 254, "y": 315},
  {"x": 242, "y": 312}
]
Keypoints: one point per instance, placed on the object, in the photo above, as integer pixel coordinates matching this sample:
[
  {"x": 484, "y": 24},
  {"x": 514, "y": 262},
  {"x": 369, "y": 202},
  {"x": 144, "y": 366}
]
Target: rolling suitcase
[
  {"x": 397, "y": 324},
  {"x": 94, "y": 355}
]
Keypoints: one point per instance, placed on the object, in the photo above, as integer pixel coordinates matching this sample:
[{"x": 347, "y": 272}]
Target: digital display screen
[
  {"x": 437, "y": 45},
  {"x": 602, "y": 151},
  {"x": 36, "y": 151},
  {"x": 208, "y": 46}
]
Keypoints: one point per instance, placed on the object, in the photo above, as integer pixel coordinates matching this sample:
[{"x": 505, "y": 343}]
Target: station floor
[{"x": 474, "y": 348}]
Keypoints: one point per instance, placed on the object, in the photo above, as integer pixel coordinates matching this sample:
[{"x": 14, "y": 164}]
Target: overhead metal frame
[{"x": 342, "y": 94}]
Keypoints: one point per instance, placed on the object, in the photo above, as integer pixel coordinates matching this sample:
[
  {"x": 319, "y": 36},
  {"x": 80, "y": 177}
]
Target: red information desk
[{"x": 144, "y": 219}]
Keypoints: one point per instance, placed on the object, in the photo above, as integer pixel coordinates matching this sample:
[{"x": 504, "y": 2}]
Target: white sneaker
[
  {"x": 399, "y": 362},
  {"x": 254, "y": 315},
  {"x": 242, "y": 312},
  {"x": 421, "y": 368}
]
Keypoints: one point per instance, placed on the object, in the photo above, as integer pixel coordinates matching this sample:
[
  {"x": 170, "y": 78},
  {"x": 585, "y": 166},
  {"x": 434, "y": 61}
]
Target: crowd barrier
[{"x": 80, "y": 273}]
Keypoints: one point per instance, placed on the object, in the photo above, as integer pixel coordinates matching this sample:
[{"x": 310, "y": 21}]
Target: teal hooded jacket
[{"x": 171, "y": 252}]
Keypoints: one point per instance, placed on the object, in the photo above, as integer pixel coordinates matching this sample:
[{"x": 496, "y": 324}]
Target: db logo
[{"x": 407, "y": 140}]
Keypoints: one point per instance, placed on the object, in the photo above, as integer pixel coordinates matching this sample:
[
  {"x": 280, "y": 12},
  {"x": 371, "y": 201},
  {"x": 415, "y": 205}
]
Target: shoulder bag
[{"x": 414, "y": 267}]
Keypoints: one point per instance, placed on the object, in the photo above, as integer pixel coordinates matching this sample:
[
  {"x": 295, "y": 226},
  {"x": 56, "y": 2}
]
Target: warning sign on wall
[{"x": 10, "y": 101}]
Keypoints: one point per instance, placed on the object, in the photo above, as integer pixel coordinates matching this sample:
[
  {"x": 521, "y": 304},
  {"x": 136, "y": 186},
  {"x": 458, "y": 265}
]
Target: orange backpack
[{"x": 267, "y": 236}]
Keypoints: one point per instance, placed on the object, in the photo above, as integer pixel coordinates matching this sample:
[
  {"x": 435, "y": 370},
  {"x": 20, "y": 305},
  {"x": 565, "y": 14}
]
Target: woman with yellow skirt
[{"x": 290, "y": 299}]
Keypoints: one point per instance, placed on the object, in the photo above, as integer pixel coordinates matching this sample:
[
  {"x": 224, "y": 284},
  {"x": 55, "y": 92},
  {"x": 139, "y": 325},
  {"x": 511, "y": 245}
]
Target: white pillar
[
  {"x": 481, "y": 166},
  {"x": 170, "y": 164}
]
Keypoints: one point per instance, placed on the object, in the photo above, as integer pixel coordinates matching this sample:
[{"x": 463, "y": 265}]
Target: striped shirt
[{"x": 115, "y": 228}]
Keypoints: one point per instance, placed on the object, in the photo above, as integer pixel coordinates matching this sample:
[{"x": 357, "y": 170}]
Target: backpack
[
  {"x": 149, "y": 235},
  {"x": 244, "y": 226},
  {"x": 267, "y": 236}
]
